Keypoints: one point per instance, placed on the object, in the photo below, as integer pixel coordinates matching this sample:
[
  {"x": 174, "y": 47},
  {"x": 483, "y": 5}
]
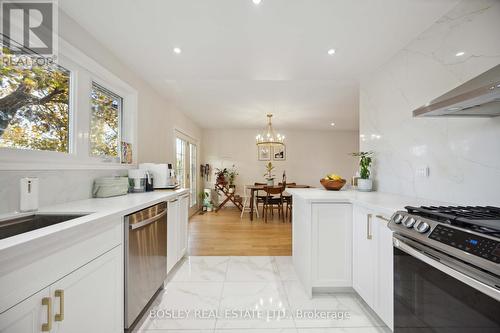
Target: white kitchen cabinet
[
  {"x": 183, "y": 224},
  {"x": 373, "y": 262},
  {"x": 172, "y": 233},
  {"x": 90, "y": 299},
  {"x": 322, "y": 244},
  {"x": 331, "y": 245},
  {"x": 177, "y": 230},
  {"x": 364, "y": 248},
  {"x": 27, "y": 316}
]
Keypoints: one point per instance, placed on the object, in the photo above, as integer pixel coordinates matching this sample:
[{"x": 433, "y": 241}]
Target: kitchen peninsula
[{"x": 341, "y": 242}]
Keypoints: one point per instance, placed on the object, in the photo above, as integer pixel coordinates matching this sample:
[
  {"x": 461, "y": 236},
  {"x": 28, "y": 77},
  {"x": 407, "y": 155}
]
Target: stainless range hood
[{"x": 479, "y": 97}]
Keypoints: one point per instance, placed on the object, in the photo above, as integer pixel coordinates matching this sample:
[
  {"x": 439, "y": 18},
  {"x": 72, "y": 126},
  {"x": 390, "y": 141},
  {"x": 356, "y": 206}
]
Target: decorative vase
[
  {"x": 270, "y": 182},
  {"x": 231, "y": 188},
  {"x": 365, "y": 185}
]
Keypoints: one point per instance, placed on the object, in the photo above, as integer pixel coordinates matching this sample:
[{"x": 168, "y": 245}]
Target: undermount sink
[{"x": 20, "y": 225}]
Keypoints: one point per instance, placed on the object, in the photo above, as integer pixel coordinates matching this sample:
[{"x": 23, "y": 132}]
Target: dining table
[{"x": 256, "y": 188}]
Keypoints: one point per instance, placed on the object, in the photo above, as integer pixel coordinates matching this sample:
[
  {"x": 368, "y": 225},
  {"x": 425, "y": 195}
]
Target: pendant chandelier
[{"x": 268, "y": 137}]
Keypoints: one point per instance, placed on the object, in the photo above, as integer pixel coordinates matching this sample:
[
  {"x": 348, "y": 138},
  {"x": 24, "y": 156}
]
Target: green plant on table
[
  {"x": 365, "y": 162},
  {"x": 269, "y": 171}
]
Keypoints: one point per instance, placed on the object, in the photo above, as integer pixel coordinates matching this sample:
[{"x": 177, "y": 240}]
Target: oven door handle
[{"x": 447, "y": 269}]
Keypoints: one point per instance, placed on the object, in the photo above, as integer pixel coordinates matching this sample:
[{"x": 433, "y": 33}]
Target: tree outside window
[
  {"x": 106, "y": 110},
  {"x": 34, "y": 106}
]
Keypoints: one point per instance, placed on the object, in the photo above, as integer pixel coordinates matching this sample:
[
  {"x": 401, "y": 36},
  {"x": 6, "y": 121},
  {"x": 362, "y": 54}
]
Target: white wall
[
  {"x": 310, "y": 155},
  {"x": 157, "y": 119},
  {"x": 463, "y": 154}
]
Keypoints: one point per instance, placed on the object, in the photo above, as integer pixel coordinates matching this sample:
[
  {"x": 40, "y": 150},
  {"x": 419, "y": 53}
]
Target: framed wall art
[
  {"x": 279, "y": 153},
  {"x": 264, "y": 153}
]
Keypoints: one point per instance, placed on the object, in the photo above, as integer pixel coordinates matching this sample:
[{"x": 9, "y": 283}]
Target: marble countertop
[
  {"x": 384, "y": 202},
  {"x": 96, "y": 208}
]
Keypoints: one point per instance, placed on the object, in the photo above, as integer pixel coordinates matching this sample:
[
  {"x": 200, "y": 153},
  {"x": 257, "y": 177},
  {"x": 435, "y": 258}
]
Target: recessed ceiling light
[
  {"x": 257, "y": 1},
  {"x": 332, "y": 124},
  {"x": 331, "y": 51},
  {"x": 177, "y": 50},
  {"x": 459, "y": 54}
]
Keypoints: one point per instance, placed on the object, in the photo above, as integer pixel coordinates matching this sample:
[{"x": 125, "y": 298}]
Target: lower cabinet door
[
  {"x": 183, "y": 225},
  {"x": 90, "y": 299},
  {"x": 29, "y": 316},
  {"x": 364, "y": 255},
  {"x": 331, "y": 245},
  {"x": 172, "y": 234}
]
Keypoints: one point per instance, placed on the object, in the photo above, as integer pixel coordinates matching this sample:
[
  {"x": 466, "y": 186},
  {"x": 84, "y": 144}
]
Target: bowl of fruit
[{"x": 333, "y": 182}]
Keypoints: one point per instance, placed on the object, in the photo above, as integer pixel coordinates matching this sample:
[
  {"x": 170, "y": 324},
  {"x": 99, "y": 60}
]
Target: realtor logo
[{"x": 29, "y": 27}]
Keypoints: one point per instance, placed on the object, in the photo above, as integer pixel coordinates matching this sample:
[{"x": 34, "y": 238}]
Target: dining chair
[
  {"x": 246, "y": 202},
  {"x": 259, "y": 199},
  {"x": 273, "y": 201}
]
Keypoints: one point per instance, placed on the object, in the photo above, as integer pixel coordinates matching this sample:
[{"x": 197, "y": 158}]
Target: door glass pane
[
  {"x": 193, "y": 174},
  {"x": 180, "y": 164}
]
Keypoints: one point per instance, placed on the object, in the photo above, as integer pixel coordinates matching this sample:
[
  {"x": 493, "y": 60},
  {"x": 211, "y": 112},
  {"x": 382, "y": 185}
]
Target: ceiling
[{"x": 240, "y": 61}]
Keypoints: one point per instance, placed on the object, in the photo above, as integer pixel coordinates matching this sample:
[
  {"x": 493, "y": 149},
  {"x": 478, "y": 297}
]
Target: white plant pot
[
  {"x": 270, "y": 182},
  {"x": 231, "y": 190},
  {"x": 365, "y": 185}
]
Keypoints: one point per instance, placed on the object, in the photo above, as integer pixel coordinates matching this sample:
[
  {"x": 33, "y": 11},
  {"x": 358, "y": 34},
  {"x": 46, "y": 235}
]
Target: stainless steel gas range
[{"x": 446, "y": 269}]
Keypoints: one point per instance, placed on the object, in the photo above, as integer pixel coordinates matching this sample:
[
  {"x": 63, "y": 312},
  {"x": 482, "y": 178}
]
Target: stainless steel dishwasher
[{"x": 145, "y": 258}]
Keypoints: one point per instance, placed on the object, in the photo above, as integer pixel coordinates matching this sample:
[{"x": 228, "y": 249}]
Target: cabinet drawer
[{"x": 24, "y": 281}]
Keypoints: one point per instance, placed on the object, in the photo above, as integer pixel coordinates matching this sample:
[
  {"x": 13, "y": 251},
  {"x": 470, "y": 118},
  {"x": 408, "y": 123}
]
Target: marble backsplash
[
  {"x": 462, "y": 155},
  {"x": 56, "y": 186}
]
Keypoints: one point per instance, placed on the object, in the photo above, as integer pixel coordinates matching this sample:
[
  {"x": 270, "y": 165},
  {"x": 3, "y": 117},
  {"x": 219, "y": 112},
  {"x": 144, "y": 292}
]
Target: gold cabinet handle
[
  {"x": 48, "y": 325},
  {"x": 369, "y": 226},
  {"x": 60, "y": 316}
]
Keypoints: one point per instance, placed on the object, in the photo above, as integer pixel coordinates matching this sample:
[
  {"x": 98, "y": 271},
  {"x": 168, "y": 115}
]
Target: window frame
[
  {"x": 83, "y": 71},
  {"x": 103, "y": 89},
  {"x": 189, "y": 139}
]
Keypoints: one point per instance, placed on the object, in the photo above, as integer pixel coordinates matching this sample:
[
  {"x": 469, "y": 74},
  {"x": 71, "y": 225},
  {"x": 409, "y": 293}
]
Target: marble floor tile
[
  {"x": 202, "y": 269},
  {"x": 265, "y": 302},
  {"x": 326, "y": 310},
  {"x": 285, "y": 268},
  {"x": 252, "y": 269},
  {"x": 172, "y": 331},
  {"x": 344, "y": 330},
  {"x": 257, "y": 330},
  {"x": 179, "y": 305}
]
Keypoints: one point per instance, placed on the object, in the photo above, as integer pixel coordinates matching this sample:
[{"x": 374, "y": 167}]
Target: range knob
[
  {"x": 421, "y": 227},
  {"x": 409, "y": 222},
  {"x": 397, "y": 218}
]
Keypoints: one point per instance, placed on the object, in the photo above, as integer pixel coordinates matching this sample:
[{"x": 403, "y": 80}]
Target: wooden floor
[{"x": 225, "y": 234}]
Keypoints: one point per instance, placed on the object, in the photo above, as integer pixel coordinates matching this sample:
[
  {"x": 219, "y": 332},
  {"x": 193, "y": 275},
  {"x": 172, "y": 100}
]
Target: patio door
[{"x": 186, "y": 153}]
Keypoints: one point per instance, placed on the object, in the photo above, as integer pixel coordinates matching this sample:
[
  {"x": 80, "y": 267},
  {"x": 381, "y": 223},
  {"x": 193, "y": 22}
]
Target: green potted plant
[
  {"x": 221, "y": 175},
  {"x": 365, "y": 184},
  {"x": 269, "y": 174},
  {"x": 231, "y": 176}
]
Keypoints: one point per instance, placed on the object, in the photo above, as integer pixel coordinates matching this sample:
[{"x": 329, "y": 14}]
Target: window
[
  {"x": 180, "y": 164},
  {"x": 186, "y": 167},
  {"x": 34, "y": 107},
  {"x": 105, "y": 122},
  {"x": 193, "y": 174}
]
